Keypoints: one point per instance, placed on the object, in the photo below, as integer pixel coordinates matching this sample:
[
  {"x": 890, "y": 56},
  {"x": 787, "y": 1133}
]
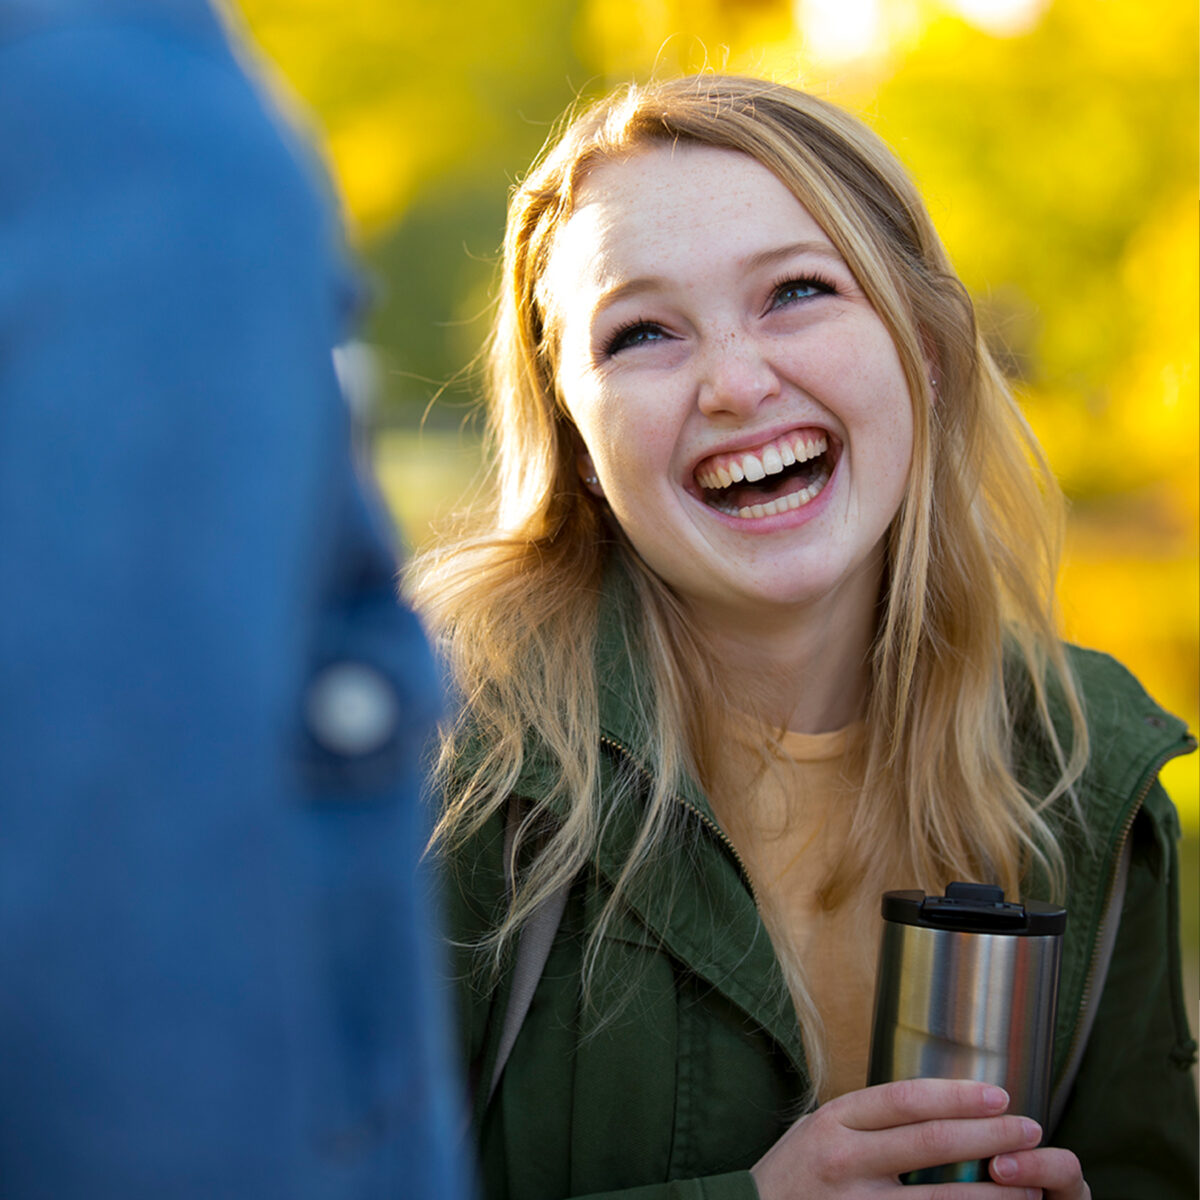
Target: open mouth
[{"x": 786, "y": 473}]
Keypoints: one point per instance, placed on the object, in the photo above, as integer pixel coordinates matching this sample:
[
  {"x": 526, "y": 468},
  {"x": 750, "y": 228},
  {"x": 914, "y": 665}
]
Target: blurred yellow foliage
[
  {"x": 403, "y": 89},
  {"x": 675, "y": 37}
]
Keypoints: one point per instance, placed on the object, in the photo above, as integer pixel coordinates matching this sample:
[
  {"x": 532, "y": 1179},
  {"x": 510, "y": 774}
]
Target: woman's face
[{"x": 740, "y": 401}]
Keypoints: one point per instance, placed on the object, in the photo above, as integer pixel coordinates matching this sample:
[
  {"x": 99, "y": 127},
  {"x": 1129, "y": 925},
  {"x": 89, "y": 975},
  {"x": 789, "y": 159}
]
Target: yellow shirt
[{"x": 788, "y": 814}]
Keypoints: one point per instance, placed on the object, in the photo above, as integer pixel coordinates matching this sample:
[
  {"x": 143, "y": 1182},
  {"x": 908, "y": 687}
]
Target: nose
[{"x": 736, "y": 377}]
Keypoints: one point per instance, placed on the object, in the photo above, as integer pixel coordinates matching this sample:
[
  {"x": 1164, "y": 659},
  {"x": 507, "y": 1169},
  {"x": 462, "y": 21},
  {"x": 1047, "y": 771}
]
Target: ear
[{"x": 587, "y": 472}]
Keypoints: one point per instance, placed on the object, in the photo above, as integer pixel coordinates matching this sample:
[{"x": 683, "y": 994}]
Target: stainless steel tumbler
[{"x": 966, "y": 989}]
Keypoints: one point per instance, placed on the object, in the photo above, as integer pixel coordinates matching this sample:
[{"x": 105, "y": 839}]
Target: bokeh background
[{"x": 1055, "y": 141}]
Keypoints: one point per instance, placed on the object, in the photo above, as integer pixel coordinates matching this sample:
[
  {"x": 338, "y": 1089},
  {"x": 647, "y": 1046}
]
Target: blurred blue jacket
[{"x": 217, "y": 964}]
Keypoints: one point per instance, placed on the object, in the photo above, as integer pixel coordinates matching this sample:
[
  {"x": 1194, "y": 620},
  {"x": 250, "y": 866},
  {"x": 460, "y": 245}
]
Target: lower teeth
[{"x": 780, "y": 504}]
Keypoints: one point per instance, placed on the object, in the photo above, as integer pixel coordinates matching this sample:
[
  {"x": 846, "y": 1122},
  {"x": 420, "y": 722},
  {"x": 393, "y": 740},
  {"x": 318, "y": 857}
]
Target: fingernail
[
  {"x": 995, "y": 1097},
  {"x": 1004, "y": 1167},
  {"x": 1031, "y": 1131}
]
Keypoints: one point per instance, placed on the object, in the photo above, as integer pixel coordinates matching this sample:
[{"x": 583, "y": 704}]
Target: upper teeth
[{"x": 723, "y": 471}]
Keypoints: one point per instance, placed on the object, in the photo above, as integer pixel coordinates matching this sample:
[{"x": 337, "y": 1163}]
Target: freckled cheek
[
  {"x": 629, "y": 434},
  {"x": 844, "y": 363},
  {"x": 875, "y": 394}
]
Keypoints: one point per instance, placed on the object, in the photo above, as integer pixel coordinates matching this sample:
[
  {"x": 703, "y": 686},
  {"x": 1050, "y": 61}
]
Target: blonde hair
[{"x": 971, "y": 555}]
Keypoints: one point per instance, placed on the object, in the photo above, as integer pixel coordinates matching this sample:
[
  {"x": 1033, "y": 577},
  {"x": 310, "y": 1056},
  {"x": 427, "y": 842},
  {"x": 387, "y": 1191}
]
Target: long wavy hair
[{"x": 971, "y": 555}]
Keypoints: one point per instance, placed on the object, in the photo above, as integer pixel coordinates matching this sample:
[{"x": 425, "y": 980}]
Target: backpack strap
[
  {"x": 533, "y": 948},
  {"x": 1109, "y": 924}
]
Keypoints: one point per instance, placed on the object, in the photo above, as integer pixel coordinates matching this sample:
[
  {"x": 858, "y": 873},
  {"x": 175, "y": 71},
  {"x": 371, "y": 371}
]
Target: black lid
[{"x": 974, "y": 908}]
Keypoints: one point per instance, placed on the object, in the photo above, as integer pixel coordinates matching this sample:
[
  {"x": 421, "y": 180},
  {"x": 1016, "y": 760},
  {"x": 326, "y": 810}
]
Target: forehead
[{"x": 670, "y": 209}]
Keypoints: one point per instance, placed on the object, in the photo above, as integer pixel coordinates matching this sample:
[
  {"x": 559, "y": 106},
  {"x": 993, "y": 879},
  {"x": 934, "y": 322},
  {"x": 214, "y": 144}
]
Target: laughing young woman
[{"x": 758, "y": 624}]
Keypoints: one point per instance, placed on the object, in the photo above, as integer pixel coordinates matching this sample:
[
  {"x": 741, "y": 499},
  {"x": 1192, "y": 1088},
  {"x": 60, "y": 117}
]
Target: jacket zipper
[
  {"x": 704, "y": 819},
  {"x": 1085, "y": 999},
  {"x": 797, "y": 1058}
]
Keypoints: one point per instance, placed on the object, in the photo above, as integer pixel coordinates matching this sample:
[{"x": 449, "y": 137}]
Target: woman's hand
[
  {"x": 858, "y": 1145},
  {"x": 1056, "y": 1172}
]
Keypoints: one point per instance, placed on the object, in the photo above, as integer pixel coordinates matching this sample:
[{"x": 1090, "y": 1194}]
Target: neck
[{"x": 808, "y": 669}]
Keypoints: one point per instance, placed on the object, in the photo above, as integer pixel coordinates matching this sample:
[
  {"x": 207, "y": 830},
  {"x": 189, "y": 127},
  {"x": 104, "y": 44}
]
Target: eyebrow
[
  {"x": 764, "y": 258},
  {"x": 767, "y": 258}
]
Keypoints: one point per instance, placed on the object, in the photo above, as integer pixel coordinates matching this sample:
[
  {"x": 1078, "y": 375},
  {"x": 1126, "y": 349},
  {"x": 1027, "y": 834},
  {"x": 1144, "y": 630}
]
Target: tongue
[{"x": 742, "y": 495}]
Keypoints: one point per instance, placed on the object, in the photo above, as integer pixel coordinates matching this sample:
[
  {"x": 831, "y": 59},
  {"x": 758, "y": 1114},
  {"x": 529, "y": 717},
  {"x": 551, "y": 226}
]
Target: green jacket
[{"x": 677, "y": 1089}]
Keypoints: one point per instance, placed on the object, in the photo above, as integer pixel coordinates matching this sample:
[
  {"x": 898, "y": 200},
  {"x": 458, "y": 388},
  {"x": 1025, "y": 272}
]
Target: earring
[
  {"x": 591, "y": 480},
  {"x": 933, "y": 382}
]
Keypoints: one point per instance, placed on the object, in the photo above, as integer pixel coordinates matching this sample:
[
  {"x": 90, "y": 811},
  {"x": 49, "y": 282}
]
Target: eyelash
[
  {"x": 614, "y": 344},
  {"x": 618, "y": 341},
  {"x": 822, "y": 286}
]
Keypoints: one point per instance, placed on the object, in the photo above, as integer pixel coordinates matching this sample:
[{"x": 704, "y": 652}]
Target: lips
[{"x": 782, "y": 474}]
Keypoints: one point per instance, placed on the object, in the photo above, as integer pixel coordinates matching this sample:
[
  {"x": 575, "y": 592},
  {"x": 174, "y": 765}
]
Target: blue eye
[
  {"x": 792, "y": 291},
  {"x": 637, "y": 333}
]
